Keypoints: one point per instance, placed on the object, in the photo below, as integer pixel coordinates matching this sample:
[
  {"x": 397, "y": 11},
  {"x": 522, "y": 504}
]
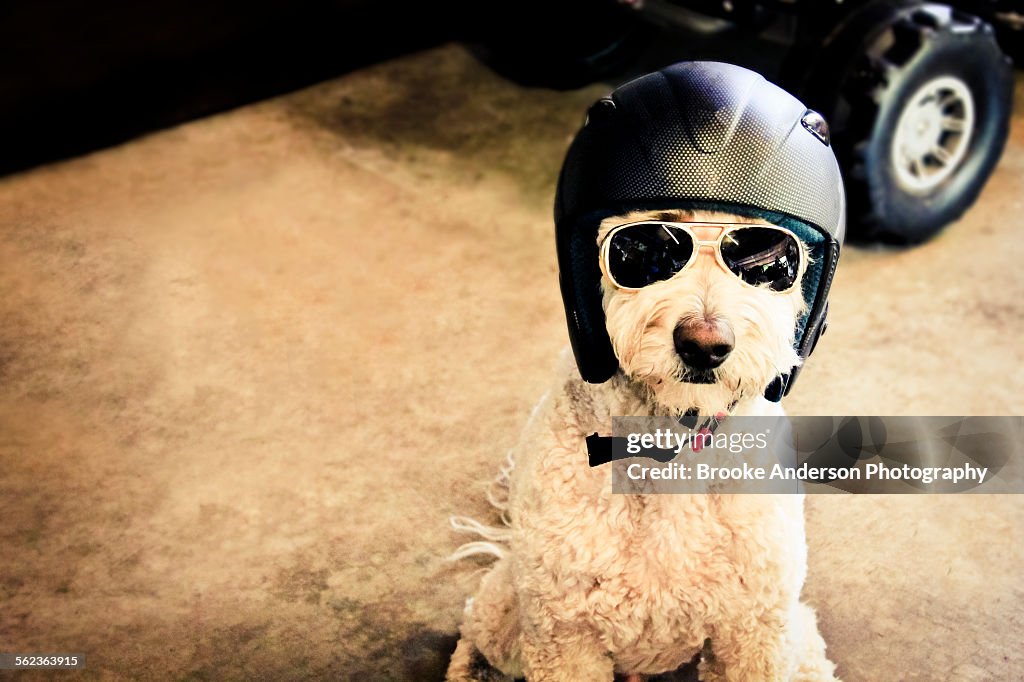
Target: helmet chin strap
[
  {"x": 783, "y": 383},
  {"x": 775, "y": 390}
]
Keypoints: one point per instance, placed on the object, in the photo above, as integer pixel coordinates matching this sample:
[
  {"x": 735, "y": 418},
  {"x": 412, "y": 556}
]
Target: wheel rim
[{"x": 933, "y": 134}]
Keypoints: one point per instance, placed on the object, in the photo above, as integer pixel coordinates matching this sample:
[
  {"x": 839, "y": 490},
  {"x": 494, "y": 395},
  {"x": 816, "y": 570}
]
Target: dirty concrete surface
[{"x": 250, "y": 365}]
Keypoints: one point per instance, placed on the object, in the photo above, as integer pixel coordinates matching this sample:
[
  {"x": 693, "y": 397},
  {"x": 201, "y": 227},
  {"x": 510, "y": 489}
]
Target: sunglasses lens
[
  {"x": 763, "y": 256},
  {"x": 646, "y": 253}
]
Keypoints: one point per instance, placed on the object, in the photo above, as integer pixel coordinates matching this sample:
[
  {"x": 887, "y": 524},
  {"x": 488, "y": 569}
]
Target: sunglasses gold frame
[{"x": 716, "y": 244}]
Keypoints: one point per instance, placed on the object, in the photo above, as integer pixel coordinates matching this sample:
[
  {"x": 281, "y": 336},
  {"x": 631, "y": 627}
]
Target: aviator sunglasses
[{"x": 636, "y": 255}]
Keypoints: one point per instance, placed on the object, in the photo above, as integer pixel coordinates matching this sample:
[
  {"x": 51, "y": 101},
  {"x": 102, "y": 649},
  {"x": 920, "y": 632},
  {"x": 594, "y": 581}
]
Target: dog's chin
[
  {"x": 693, "y": 391},
  {"x": 699, "y": 376}
]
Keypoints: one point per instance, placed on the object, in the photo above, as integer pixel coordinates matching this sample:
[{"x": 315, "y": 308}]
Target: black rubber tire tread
[{"x": 920, "y": 42}]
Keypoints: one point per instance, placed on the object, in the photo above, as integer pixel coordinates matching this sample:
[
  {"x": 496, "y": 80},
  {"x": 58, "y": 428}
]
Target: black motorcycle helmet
[{"x": 696, "y": 135}]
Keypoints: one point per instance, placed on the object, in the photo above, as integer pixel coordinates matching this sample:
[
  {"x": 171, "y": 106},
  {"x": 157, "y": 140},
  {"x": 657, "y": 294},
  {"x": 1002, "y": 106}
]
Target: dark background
[{"x": 77, "y": 76}]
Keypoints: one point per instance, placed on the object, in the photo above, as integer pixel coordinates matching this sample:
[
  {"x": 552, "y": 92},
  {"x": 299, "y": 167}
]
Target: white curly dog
[{"x": 589, "y": 584}]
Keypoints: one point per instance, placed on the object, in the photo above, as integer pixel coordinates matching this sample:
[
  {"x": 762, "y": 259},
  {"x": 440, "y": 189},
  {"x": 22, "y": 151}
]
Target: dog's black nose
[{"x": 704, "y": 343}]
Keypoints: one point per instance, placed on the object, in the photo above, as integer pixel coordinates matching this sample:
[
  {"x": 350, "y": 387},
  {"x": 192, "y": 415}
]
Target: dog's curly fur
[{"x": 588, "y": 583}]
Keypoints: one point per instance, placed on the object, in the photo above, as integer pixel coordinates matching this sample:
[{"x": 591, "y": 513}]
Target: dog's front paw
[{"x": 469, "y": 665}]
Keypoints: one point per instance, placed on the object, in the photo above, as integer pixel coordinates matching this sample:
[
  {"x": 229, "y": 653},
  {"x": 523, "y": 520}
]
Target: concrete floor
[{"x": 249, "y": 366}]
